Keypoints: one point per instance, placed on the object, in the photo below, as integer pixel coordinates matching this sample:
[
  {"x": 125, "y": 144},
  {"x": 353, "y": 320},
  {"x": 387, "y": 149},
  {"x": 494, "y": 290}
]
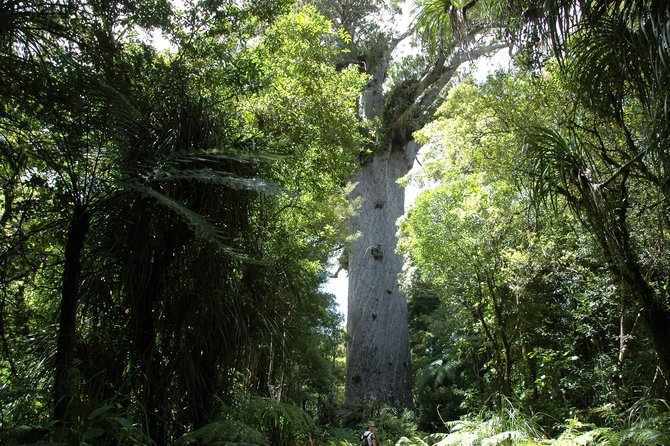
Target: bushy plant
[
  {"x": 647, "y": 422},
  {"x": 391, "y": 424},
  {"x": 506, "y": 426},
  {"x": 576, "y": 433},
  {"x": 104, "y": 425},
  {"x": 229, "y": 432},
  {"x": 339, "y": 436},
  {"x": 282, "y": 424}
]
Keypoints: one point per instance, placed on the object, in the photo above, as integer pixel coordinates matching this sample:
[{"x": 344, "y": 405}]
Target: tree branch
[
  {"x": 431, "y": 85},
  {"x": 621, "y": 169}
]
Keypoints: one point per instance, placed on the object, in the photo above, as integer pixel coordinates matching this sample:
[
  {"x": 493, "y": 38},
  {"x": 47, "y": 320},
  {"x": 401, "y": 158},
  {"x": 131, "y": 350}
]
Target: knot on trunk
[{"x": 376, "y": 252}]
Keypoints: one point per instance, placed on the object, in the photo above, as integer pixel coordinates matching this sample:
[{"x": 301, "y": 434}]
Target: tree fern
[
  {"x": 283, "y": 424},
  {"x": 223, "y": 433}
]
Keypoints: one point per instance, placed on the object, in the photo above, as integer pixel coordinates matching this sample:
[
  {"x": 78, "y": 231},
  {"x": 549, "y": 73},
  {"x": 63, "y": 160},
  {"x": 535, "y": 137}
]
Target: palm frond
[
  {"x": 196, "y": 222},
  {"x": 551, "y": 162},
  {"x": 620, "y": 50},
  {"x": 217, "y": 154},
  {"x": 444, "y": 24},
  {"x": 208, "y": 175},
  {"x": 123, "y": 113},
  {"x": 598, "y": 65}
]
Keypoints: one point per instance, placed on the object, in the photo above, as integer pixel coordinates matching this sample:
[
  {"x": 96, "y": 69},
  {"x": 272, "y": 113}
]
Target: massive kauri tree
[
  {"x": 396, "y": 106},
  {"x": 392, "y": 108}
]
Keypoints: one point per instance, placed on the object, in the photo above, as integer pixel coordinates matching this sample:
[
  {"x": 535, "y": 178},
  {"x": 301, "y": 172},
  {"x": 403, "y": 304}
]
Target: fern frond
[
  {"x": 218, "y": 154},
  {"x": 123, "y": 114},
  {"x": 649, "y": 423},
  {"x": 283, "y": 423},
  {"x": 595, "y": 437},
  {"x": 224, "y": 433},
  {"x": 414, "y": 441}
]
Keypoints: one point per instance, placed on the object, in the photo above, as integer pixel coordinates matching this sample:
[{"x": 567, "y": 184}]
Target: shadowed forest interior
[{"x": 178, "y": 179}]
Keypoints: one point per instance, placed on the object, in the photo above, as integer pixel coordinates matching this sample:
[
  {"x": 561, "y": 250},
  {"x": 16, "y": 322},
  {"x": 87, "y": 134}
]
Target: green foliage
[
  {"x": 575, "y": 432},
  {"x": 438, "y": 24},
  {"x": 484, "y": 250},
  {"x": 107, "y": 424},
  {"x": 282, "y": 424},
  {"x": 510, "y": 426},
  {"x": 337, "y": 436},
  {"x": 442, "y": 25},
  {"x": 364, "y": 36},
  {"x": 207, "y": 226},
  {"x": 528, "y": 268},
  {"x": 167, "y": 218},
  {"x": 390, "y": 422},
  {"x": 224, "y": 432},
  {"x": 507, "y": 426},
  {"x": 646, "y": 422}
]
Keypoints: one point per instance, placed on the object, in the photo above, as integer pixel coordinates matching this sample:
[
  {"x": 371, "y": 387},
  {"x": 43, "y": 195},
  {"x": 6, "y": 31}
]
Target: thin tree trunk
[
  {"x": 607, "y": 216},
  {"x": 64, "y": 388}
]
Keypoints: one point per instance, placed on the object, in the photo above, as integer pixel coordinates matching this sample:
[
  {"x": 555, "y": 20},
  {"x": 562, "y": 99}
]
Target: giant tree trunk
[
  {"x": 378, "y": 368},
  {"x": 377, "y": 334}
]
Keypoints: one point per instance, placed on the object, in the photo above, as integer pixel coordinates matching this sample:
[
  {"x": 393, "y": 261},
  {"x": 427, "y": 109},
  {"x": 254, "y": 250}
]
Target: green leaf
[
  {"x": 99, "y": 411},
  {"x": 93, "y": 432}
]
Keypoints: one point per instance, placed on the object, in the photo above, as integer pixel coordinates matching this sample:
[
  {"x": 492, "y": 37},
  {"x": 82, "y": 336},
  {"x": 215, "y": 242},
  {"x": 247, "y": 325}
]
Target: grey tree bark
[{"x": 378, "y": 356}]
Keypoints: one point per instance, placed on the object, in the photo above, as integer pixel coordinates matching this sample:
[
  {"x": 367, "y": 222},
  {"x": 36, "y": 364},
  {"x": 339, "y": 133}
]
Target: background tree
[
  {"x": 557, "y": 279},
  {"x": 618, "y": 56}
]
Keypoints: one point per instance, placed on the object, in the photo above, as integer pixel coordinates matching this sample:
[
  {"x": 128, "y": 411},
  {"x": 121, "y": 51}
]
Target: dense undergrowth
[
  {"x": 262, "y": 422},
  {"x": 647, "y": 422}
]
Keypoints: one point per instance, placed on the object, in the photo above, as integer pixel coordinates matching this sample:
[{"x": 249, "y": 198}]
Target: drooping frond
[
  {"x": 619, "y": 54},
  {"x": 436, "y": 22},
  {"x": 195, "y": 221},
  {"x": 444, "y": 24},
  {"x": 217, "y": 154},
  {"x": 209, "y": 175},
  {"x": 554, "y": 163},
  {"x": 648, "y": 423}
]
